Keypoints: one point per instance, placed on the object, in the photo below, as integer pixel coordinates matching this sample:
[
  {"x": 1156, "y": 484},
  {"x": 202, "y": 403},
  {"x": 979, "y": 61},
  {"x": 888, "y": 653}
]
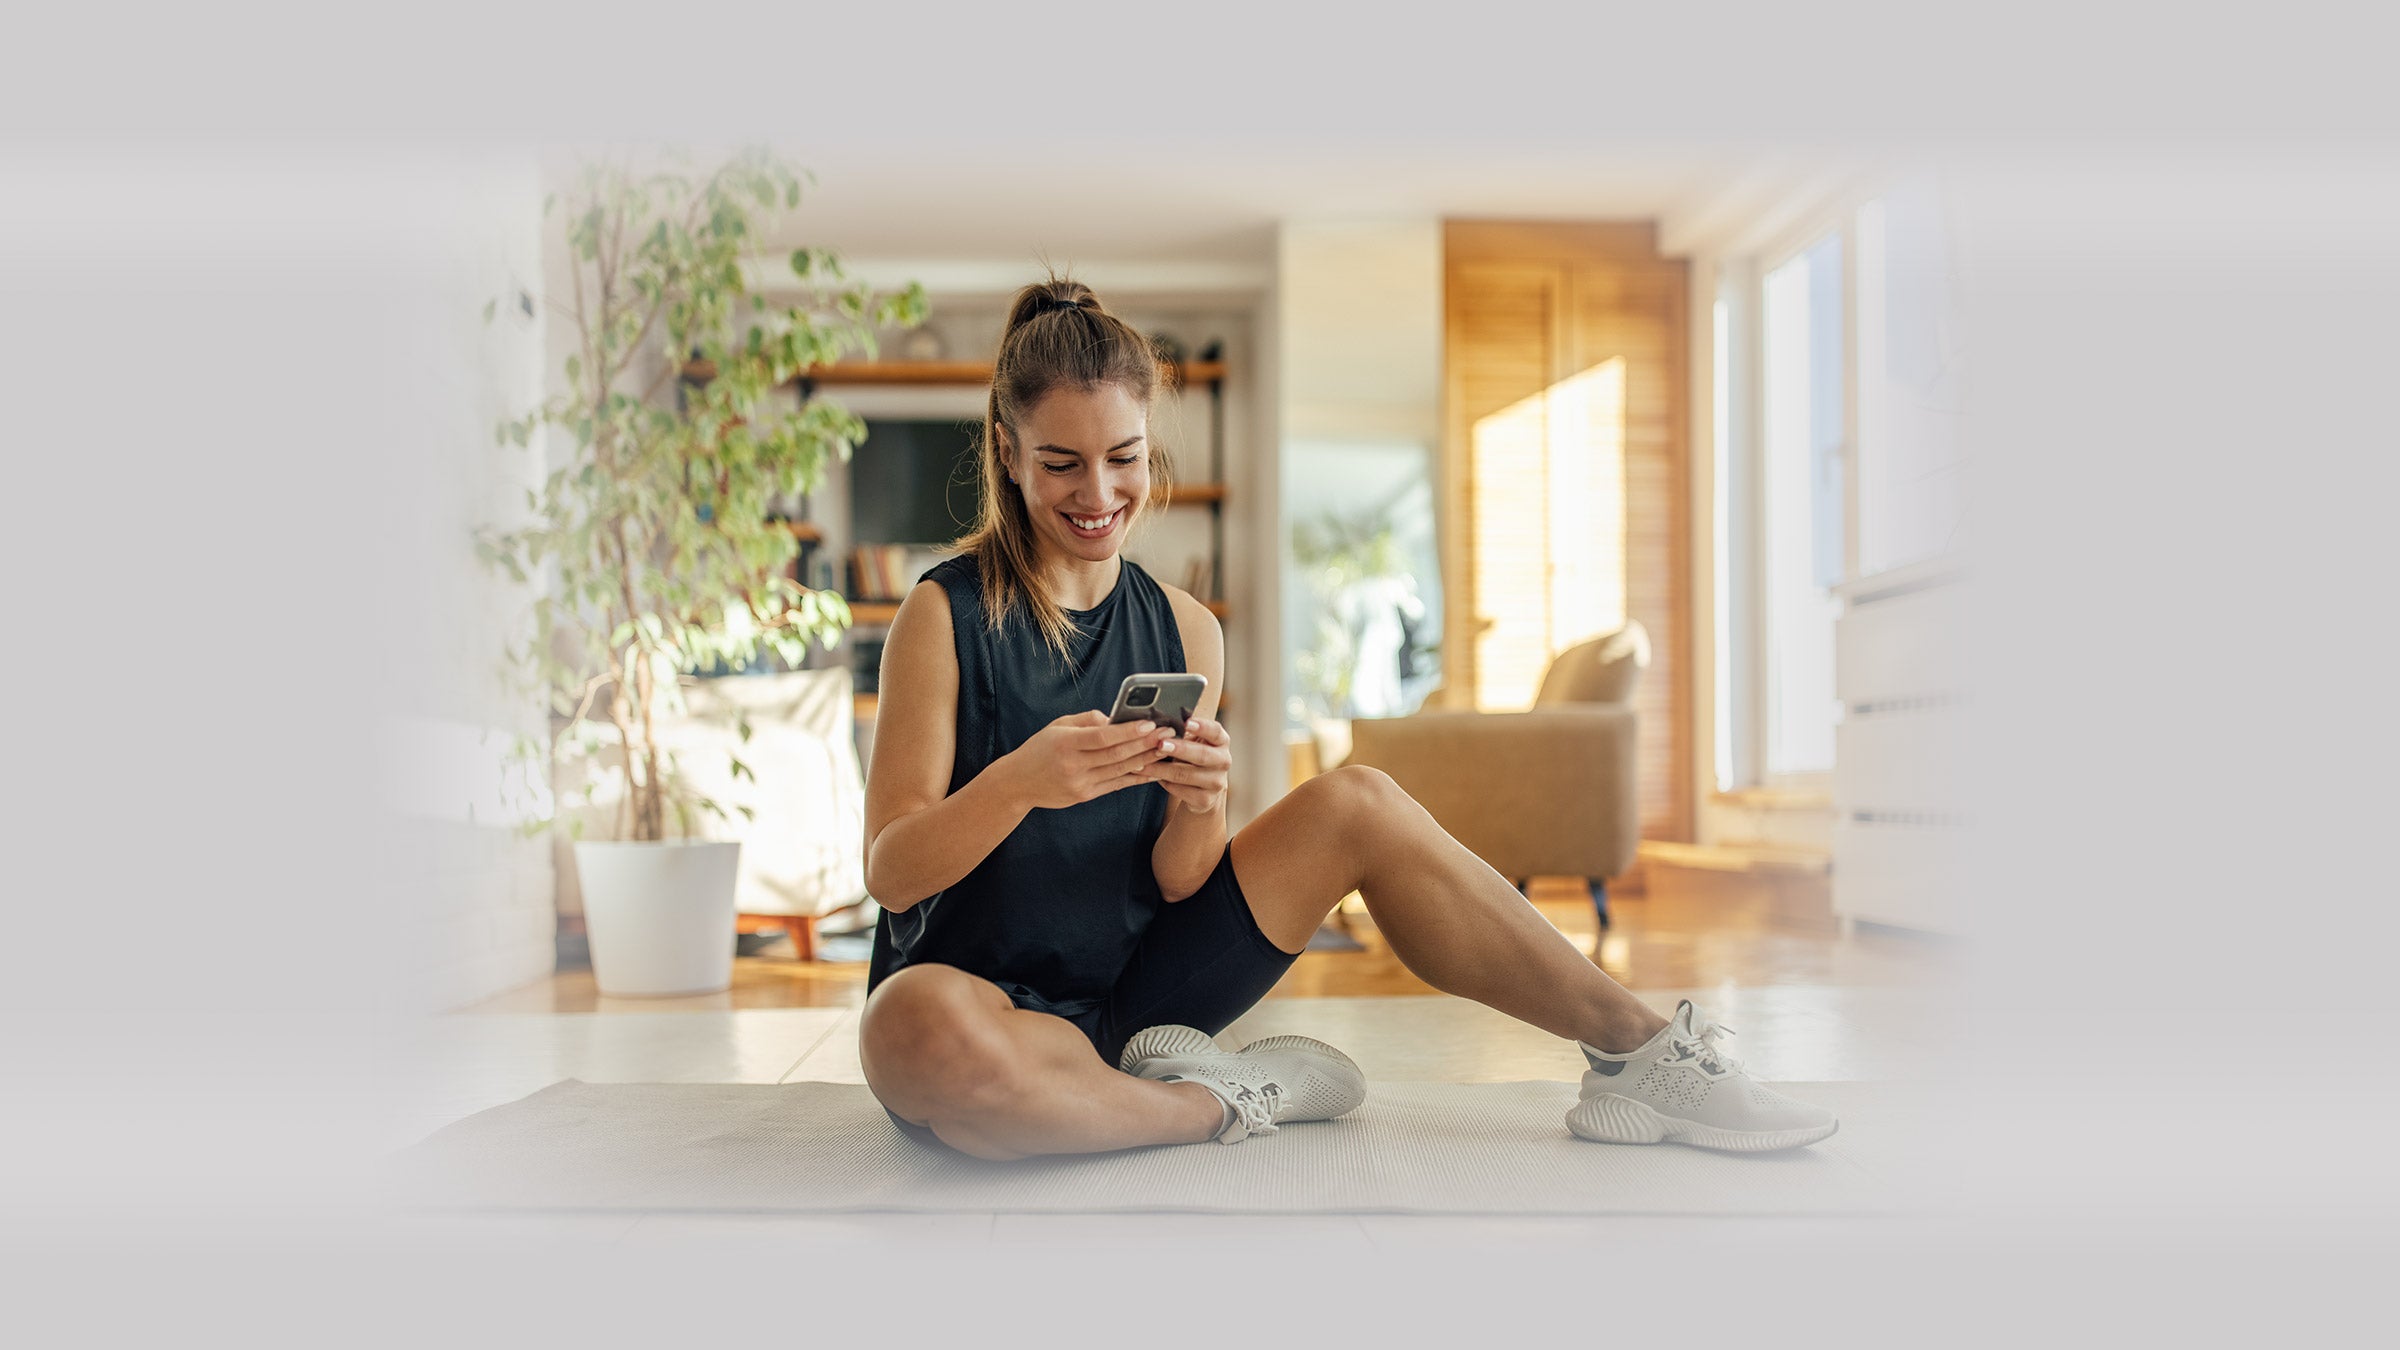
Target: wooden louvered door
[
  {"x": 1564, "y": 463},
  {"x": 1504, "y": 352}
]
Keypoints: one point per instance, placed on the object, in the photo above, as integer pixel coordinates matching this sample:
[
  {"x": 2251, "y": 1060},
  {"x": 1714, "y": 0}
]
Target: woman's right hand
[{"x": 1081, "y": 756}]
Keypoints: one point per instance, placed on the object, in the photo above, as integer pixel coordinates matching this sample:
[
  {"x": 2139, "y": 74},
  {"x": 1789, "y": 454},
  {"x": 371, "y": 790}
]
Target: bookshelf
[{"x": 1210, "y": 494}]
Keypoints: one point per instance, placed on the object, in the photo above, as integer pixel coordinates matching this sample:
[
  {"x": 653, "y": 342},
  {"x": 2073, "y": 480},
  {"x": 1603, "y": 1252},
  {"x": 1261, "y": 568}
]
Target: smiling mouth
[{"x": 1091, "y": 525}]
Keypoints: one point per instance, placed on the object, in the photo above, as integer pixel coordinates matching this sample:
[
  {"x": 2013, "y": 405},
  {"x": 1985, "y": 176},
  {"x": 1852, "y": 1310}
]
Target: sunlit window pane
[
  {"x": 1802, "y": 503},
  {"x": 1721, "y": 533},
  {"x": 1549, "y": 529}
]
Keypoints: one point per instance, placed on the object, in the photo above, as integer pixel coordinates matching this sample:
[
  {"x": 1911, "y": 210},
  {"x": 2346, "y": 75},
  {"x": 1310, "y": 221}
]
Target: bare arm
[
  {"x": 1188, "y": 848},
  {"x": 923, "y": 838}
]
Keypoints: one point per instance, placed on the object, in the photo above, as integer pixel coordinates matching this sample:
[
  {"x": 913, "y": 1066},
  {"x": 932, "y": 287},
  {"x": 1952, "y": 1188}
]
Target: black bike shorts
[{"x": 1201, "y": 963}]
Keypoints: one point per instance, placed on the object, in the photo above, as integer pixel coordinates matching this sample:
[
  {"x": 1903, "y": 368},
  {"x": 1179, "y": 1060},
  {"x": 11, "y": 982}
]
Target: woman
[{"x": 1066, "y": 924}]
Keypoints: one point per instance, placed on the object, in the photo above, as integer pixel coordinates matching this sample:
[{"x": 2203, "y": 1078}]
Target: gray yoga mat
[{"x": 1413, "y": 1148}]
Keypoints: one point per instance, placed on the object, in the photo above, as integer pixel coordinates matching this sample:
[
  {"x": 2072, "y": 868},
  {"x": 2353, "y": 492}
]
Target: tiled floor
[{"x": 1818, "y": 1007}]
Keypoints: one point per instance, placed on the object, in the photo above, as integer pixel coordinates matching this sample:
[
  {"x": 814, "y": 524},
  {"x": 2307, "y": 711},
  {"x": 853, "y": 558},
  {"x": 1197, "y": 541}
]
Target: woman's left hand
[{"x": 1195, "y": 767}]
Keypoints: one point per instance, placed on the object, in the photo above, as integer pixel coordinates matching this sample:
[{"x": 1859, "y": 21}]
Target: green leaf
[{"x": 651, "y": 524}]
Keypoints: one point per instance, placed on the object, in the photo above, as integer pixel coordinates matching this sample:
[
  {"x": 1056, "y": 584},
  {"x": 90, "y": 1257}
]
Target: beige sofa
[
  {"x": 1546, "y": 792},
  {"x": 804, "y": 854}
]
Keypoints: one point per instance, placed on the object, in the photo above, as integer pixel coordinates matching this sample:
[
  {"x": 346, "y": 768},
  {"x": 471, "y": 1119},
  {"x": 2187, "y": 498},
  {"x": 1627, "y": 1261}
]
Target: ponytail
[{"x": 1057, "y": 336}]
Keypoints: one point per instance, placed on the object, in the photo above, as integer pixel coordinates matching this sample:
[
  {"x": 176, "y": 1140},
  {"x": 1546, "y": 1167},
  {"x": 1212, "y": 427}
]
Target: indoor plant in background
[
  {"x": 1367, "y": 604},
  {"x": 650, "y": 531}
]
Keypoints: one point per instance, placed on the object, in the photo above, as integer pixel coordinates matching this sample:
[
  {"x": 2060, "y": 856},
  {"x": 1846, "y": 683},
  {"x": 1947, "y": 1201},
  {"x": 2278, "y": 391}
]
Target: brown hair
[{"x": 1046, "y": 346}]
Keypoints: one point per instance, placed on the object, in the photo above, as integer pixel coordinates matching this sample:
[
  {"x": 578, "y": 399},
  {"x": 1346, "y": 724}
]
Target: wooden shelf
[
  {"x": 1177, "y": 375},
  {"x": 903, "y": 372},
  {"x": 946, "y": 372},
  {"x": 1186, "y": 494}
]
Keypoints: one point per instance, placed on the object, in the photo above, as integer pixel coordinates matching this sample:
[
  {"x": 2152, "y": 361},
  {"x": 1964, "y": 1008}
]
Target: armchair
[{"x": 1546, "y": 792}]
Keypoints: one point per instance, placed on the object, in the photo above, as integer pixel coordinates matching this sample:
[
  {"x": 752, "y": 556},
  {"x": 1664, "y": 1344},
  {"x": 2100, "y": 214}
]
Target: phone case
[{"x": 1178, "y": 698}]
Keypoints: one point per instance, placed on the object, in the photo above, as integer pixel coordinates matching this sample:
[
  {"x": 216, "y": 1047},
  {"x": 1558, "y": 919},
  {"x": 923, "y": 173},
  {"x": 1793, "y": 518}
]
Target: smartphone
[{"x": 1169, "y": 700}]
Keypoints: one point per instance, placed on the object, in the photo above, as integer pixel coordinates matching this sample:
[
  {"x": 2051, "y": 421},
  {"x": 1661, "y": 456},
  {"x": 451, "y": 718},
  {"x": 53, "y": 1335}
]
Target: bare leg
[
  {"x": 1453, "y": 921},
  {"x": 947, "y": 1049}
]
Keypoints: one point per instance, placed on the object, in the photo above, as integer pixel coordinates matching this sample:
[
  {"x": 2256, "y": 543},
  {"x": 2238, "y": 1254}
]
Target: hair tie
[{"x": 1050, "y": 303}]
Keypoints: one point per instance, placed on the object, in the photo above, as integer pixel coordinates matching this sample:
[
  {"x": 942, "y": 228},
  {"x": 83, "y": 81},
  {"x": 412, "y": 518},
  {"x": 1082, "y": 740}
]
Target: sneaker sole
[
  {"x": 1166, "y": 1042},
  {"x": 1612, "y": 1119},
  {"x": 1172, "y": 1048}
]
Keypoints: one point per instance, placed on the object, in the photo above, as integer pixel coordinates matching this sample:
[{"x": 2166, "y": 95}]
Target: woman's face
[{"x": 1083, "y": 456}]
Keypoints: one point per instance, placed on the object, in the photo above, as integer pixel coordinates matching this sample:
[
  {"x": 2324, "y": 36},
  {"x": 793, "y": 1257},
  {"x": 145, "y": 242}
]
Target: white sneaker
[
  {"x": 1680, "y": 1087},
  {"x": 1266, "y": 1083}
]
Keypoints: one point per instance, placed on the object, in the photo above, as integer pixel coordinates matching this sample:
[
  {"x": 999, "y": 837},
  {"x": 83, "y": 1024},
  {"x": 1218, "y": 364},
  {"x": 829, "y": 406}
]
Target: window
[
  {"x": 1721, "y": 533},
  {"x": 1802, "y": 495},
  {"x": 1839, "y": 453},
  {"x": 1363, "y": 596}
]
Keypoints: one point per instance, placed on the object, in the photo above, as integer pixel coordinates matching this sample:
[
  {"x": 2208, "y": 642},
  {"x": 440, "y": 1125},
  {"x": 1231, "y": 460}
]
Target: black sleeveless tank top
[{"x": 1052, "y": 914}]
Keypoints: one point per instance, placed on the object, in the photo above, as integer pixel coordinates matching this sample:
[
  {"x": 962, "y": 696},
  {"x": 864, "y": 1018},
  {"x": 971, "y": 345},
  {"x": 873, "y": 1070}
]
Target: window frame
[{"x": 1740, "y": 281}]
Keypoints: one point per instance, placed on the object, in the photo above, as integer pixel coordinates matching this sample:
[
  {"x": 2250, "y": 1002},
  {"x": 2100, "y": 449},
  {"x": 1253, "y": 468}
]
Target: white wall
[
  {"x": 1360, "y": 305},
  {"x": 476, "y": 896}
]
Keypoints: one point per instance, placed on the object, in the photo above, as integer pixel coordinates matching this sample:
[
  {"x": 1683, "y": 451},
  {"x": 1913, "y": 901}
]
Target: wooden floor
[
  {"x": 1812, "y": 1005},
  {"x": 1668, "y": 940}
]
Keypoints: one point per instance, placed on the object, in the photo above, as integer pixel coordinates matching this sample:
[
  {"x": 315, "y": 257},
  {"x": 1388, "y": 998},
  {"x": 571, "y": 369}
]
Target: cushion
[{"x": 1602, "y": 670}]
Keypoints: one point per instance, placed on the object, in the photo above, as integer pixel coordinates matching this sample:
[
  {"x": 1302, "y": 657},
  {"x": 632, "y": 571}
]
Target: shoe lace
[
  {"x": 1707, "y": 1055},
  {"x": 1256, "y": 1108}
]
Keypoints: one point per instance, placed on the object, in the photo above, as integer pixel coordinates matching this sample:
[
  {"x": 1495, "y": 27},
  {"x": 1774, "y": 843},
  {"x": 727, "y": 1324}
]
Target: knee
[
  {"x": 1359, "y": 792},
  {"x": 930, "y": 1042}
]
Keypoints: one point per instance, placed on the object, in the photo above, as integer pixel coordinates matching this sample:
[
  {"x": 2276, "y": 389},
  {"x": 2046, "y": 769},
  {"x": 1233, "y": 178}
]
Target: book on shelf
[{"x": 878, "y": 571}]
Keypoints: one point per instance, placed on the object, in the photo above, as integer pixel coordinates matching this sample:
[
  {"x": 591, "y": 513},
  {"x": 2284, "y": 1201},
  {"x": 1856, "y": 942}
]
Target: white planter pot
[{"x": 660, "y": 916}]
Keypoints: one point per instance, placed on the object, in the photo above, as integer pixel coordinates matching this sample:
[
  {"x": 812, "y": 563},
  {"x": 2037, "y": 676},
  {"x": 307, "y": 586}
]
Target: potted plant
[
  {"x": 651, "y": 530},
  {"x": 1366, "y": 603}
]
